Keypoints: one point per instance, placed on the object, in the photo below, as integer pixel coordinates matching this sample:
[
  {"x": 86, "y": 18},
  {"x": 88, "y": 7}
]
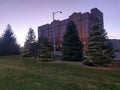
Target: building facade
[
  {"x": 83, "y": 23},
  {"x": 115, "y": 44}
]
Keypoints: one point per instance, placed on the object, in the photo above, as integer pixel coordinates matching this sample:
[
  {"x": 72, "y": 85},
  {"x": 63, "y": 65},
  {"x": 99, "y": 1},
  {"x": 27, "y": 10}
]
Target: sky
[{"x": 25, "y": 14}]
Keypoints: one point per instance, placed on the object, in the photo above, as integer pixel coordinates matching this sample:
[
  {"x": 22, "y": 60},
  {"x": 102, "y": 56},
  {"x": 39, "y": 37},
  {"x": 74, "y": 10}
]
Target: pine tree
[
  {"x": 34, "y": 48},
  {"x": 29, "y": 44},
  {"x": 99, "y": 50},
  {"x": 45, "y": 50},
  {"x": 72, "y": 46},
  {"x": 9, "y": 43},
  {"x": 30, "y": 38}
]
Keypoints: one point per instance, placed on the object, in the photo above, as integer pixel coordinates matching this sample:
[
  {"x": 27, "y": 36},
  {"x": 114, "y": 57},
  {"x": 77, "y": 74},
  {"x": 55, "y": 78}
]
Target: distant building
[
  {"x": 116, "y": 47},
  {"x": 115, "y": 44},
  {"x": 83, "y": 22}
]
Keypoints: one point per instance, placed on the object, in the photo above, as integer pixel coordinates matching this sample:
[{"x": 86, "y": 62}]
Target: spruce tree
[
  {"x": 99, "y": 51},
  {"x": 8, "y": 42},
  {"x": 45, "y": 50},
  {"x": 30, "y": 38},
  {"x": 29, "y": 49},
  {"x": 72, "y": 46}
]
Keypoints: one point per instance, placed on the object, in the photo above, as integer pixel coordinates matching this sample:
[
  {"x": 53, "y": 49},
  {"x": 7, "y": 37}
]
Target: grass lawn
[{"x": 17, "y": 73}]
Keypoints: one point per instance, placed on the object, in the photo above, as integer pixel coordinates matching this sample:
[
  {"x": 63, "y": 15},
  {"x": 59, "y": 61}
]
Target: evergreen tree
[
  {"x": 45, "y": 50},
  {"x": 99, "y": 50},
  {"x": 72, "y": 46},
  {"x": 29, "y": 43},
  {"x": 30, "y": 38},
  {"x": 34, "y": 48},
  {"x": 8, "y": 42}
]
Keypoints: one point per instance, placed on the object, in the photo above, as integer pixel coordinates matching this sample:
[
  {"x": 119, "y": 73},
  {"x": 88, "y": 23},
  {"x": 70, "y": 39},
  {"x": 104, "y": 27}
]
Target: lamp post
[{"x": 54, "y": 31}]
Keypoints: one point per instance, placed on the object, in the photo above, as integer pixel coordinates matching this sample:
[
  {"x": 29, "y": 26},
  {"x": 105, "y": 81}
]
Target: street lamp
[{"x": 54, "y": 30}]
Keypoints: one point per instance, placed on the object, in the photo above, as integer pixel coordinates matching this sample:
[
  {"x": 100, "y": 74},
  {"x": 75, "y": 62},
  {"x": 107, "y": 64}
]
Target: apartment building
[{"x": 83, "y": 23}]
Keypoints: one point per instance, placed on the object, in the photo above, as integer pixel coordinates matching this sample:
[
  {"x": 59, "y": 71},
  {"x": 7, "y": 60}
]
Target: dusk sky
[{"x": 25, "y": 14}]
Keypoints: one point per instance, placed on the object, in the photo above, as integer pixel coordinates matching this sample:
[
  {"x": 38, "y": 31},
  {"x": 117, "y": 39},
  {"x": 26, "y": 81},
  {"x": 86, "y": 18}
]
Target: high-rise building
[{"x": 83, "y": 22}]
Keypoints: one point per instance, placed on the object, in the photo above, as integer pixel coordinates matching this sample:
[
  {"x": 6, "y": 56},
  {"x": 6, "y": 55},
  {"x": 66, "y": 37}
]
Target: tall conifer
[
  {"x": 29, "y": 45},
  {"x": 72, "y": 46},
  {"x": 99, "y": 50},
  {"x": 30, "y": 38},
  {"x": 9, "y": 45}
]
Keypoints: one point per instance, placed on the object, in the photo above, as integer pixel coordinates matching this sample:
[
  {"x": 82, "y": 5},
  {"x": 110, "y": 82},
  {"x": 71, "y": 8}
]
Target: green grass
[{"x": 17, "y": 73}]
